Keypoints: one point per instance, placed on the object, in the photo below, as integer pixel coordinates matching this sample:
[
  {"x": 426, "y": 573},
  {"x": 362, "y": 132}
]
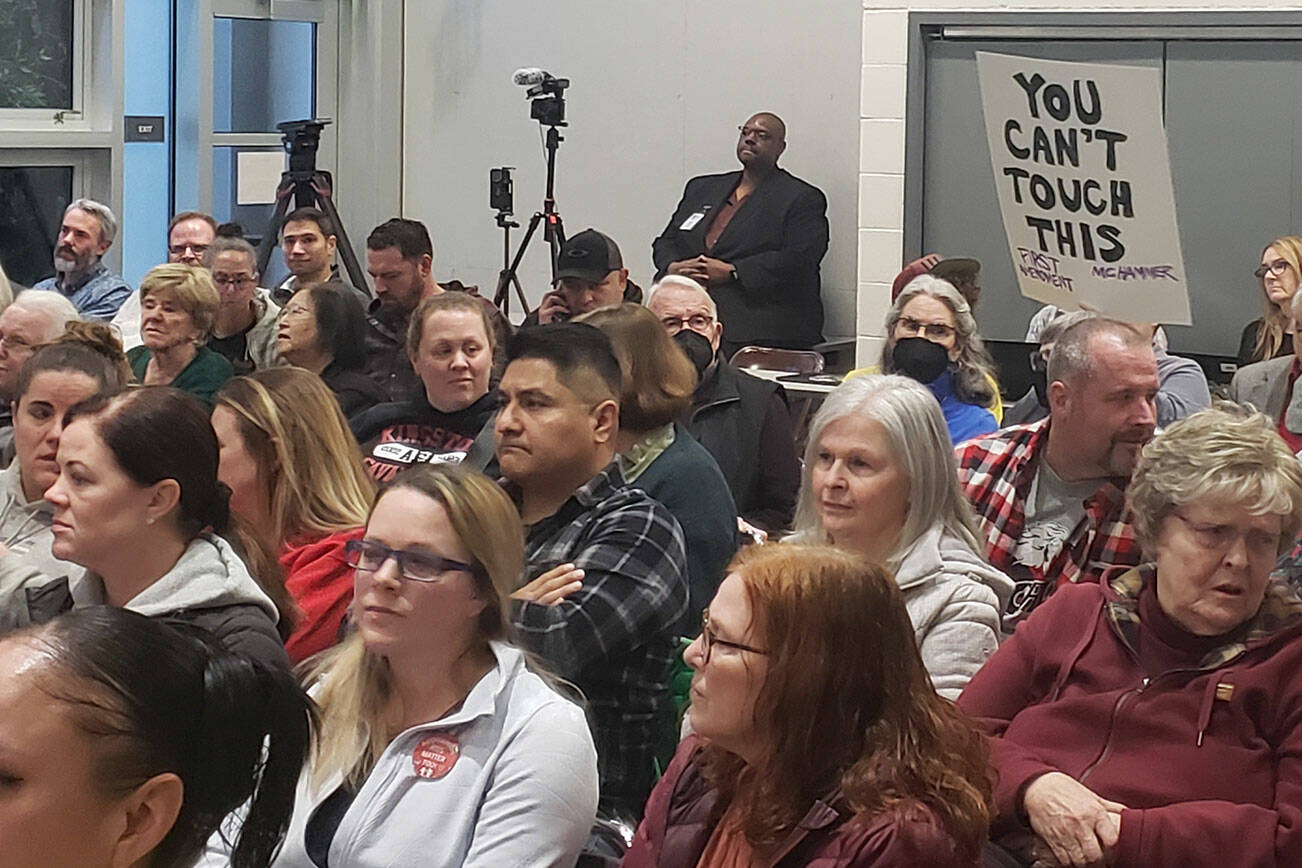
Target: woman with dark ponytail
[
  {"x": 137, "y": 502},
  {"x": 127, "y": 741}
]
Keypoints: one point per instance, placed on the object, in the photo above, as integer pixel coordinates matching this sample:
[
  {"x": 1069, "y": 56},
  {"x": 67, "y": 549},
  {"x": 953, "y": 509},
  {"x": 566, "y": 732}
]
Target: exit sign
[{"x": 144, "y": 128}]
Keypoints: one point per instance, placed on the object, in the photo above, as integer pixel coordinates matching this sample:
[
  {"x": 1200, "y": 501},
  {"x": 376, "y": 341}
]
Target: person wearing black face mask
[
  {"x": 743, "y": 421},
  {"x": 931, "y": 337}
]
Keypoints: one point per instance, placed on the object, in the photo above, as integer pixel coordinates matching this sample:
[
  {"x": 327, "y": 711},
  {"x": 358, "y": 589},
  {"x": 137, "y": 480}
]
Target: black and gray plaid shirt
[{"x": 615, "y": 637}]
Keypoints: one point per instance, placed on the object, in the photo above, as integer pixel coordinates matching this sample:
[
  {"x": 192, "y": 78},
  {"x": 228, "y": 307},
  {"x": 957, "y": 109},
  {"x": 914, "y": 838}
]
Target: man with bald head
[
  {"x": 743, "y": 421},
  {"x": 754, "y": 239}
]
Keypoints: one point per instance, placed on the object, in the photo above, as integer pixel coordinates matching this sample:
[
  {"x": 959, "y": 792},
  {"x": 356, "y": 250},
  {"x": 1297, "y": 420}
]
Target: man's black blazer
[{"x": 776, "y": 241}]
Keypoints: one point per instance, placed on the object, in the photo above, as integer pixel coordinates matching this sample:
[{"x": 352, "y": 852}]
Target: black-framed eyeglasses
[
  {"x": 709, "y": 639},
  {"x": 1040, "y": 358},
  {"x": 934, "y": 331},
  {"x": 696, "y": 322},
  {"x": 1278, "y": 267},
  {"x": 232, "y": 279},
  {"x": 761, "y": 134},
  {"x": 369, "y": 555},
  {"x": 196, "y": 249}
]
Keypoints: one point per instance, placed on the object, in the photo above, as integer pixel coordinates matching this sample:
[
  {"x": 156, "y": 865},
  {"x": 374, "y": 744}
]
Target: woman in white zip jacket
[
  {"x": 438, "y": 745},
  {"x": 880, "y": 480}
]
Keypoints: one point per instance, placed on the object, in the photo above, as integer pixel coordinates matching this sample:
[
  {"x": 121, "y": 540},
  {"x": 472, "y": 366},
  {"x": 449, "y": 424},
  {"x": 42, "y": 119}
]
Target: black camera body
[
  {"x": 548, "y": 101},
  {"x": 301, "y": 140}
]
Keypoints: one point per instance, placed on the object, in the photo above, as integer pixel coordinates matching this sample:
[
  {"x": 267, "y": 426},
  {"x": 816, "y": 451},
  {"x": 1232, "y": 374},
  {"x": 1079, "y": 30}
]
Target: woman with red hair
[{"x": 819, "y": 740}]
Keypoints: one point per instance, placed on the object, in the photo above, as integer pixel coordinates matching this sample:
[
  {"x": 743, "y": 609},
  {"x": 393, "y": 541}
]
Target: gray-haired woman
[
  {"x": 932, "y": 337},
  {"x": 880, "y": 480},
  {"x": 1155, "y": 719}
]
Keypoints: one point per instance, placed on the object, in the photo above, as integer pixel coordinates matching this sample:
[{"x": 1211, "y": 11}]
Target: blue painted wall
[{"x": 146, "y": 166}]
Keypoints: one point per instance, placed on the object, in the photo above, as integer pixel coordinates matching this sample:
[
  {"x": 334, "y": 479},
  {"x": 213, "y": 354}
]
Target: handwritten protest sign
[{"x": 1080, "y": 163}]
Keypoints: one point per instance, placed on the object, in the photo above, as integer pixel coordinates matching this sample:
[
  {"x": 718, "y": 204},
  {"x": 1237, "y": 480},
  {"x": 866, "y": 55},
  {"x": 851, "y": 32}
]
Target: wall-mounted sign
[{"x": 144, "y": 128}]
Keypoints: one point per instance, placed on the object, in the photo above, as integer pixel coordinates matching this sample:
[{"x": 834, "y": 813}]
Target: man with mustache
[
  {"x": 86, "y": 234},
  {"x": 1050, "y": 496}
]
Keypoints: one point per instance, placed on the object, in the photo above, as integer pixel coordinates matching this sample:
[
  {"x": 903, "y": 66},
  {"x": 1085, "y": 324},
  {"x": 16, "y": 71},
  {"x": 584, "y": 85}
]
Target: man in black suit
[{"x": 755, "y": 238}]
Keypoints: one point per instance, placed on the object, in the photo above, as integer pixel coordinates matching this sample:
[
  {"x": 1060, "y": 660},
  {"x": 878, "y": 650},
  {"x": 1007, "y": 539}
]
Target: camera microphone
[{"x": 530, "y": 76}]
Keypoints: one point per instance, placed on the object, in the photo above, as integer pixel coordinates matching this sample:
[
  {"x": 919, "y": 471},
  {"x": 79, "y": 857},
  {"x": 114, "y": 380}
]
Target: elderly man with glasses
[{"x": 743, "y": 421}]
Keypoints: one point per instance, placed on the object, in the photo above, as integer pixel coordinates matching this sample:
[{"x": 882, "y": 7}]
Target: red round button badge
[{"x": 435, "y": 756}]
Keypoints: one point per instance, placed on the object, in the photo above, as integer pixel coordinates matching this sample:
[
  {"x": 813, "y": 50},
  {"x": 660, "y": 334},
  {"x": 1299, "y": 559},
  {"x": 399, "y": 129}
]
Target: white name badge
[{"x": 692, "y": 221}]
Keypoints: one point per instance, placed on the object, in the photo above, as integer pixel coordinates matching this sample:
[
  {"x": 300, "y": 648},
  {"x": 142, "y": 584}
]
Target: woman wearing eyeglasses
[
  {"x": 1154, "y": 719},
  {"x": 932, "y": 337},
  {"x": 818, "y": 739},
  {"x": 1270, "y": 336},
  {"x": 247, "y": 319},
  {"x": 439, "y": 746}
]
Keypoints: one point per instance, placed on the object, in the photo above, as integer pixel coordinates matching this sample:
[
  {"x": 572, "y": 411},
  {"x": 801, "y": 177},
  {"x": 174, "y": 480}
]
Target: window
[
  {"x": 32, "y": 199},
  {"x": 37, "y": 46}
]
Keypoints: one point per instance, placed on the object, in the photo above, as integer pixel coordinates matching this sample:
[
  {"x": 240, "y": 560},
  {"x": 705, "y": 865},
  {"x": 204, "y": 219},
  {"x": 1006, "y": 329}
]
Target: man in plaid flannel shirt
[
  {"x": 1050, "y": 496},
  {"x": 606, "y": 571}
]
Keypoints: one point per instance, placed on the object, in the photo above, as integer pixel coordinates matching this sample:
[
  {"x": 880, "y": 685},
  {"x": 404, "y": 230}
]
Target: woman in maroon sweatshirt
[
  {"x": 296, "y": 476},
  {"x": 1155, "y": 719},
  {"x": 819, "y": 741}
]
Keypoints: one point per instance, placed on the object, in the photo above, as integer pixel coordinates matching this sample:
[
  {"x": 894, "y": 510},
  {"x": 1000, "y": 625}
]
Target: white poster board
[
  {"x": 1084, "y": 183},
  {"x": 257, "y": 175}
]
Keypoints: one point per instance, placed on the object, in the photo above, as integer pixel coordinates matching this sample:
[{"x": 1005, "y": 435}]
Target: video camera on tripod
[
  {"x": 546, "y": 94},
  {"x": 303, "y": 185}
]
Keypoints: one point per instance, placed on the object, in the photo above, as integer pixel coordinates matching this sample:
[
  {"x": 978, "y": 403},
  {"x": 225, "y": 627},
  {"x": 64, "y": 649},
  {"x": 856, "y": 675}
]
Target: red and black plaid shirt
[{"x": 996, "y": 473}]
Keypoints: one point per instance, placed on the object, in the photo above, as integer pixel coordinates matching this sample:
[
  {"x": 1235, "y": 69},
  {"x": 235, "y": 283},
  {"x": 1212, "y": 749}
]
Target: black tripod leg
[
  {"x": 283, "y": 194},
  {"x": 344, "y": 247},
  {"x": 509, "y": 275}
]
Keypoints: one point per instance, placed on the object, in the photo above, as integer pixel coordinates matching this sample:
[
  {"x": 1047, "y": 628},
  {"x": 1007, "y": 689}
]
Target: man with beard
[
  {"x": 743, "y": 421},
  {"x": 86, "y": 234},
  {"x": 754, "y": 239},
  {"x": 400, "y": 259},
  {"x": 1050, "y": 496}
]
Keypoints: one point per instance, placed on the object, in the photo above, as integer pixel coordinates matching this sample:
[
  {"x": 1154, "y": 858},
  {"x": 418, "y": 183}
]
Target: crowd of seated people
[{"x": 318, "y": 574}]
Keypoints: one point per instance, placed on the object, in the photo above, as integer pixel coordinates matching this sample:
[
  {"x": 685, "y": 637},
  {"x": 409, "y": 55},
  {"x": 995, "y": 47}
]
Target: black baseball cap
[{"x": 589, "y": 256}]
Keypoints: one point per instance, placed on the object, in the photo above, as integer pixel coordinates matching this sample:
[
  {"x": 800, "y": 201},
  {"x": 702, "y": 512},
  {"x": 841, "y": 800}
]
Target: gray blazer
[{"x": 1264, "y": 385}]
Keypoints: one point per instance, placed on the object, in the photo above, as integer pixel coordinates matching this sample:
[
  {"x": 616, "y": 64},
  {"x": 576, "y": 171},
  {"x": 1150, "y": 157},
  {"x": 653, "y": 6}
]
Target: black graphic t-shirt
[{"x": 397, "y": 435}]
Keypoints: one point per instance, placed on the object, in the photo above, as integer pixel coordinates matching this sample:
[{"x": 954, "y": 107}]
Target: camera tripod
[
  {"x": 553, "y": 231},
  {"x": 305, "y": 186}
]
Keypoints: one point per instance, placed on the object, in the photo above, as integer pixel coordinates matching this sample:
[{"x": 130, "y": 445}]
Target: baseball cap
[{"x": 589, "y": 256}]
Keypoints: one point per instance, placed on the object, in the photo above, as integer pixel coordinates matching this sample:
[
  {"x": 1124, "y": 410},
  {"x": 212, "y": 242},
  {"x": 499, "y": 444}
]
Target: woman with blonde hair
[
  {"x": 1270, "y": 335},
  {"x": 438, "y": 745},
  {"x": 819, "y": 740},
  {"x": 450, "y": 344},
  {"x": 178, "y": 306},
  {"x": 657, "y": 454},
  {"x": 296, "y": 476}
]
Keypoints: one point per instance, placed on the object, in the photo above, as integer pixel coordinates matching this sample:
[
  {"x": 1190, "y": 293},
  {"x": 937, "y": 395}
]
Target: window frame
[{"x": 53, "y": 119}]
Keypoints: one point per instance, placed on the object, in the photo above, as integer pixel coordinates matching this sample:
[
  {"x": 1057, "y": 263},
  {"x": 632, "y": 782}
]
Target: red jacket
[
  {"x": 680, "y": 817},
  {"x": 1209, "y": 760},
  {"x": 321, "y": 585}
]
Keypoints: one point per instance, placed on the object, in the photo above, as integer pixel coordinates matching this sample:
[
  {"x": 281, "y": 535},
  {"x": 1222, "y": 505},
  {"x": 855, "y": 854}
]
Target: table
[{"x": 805, "y": 397}]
